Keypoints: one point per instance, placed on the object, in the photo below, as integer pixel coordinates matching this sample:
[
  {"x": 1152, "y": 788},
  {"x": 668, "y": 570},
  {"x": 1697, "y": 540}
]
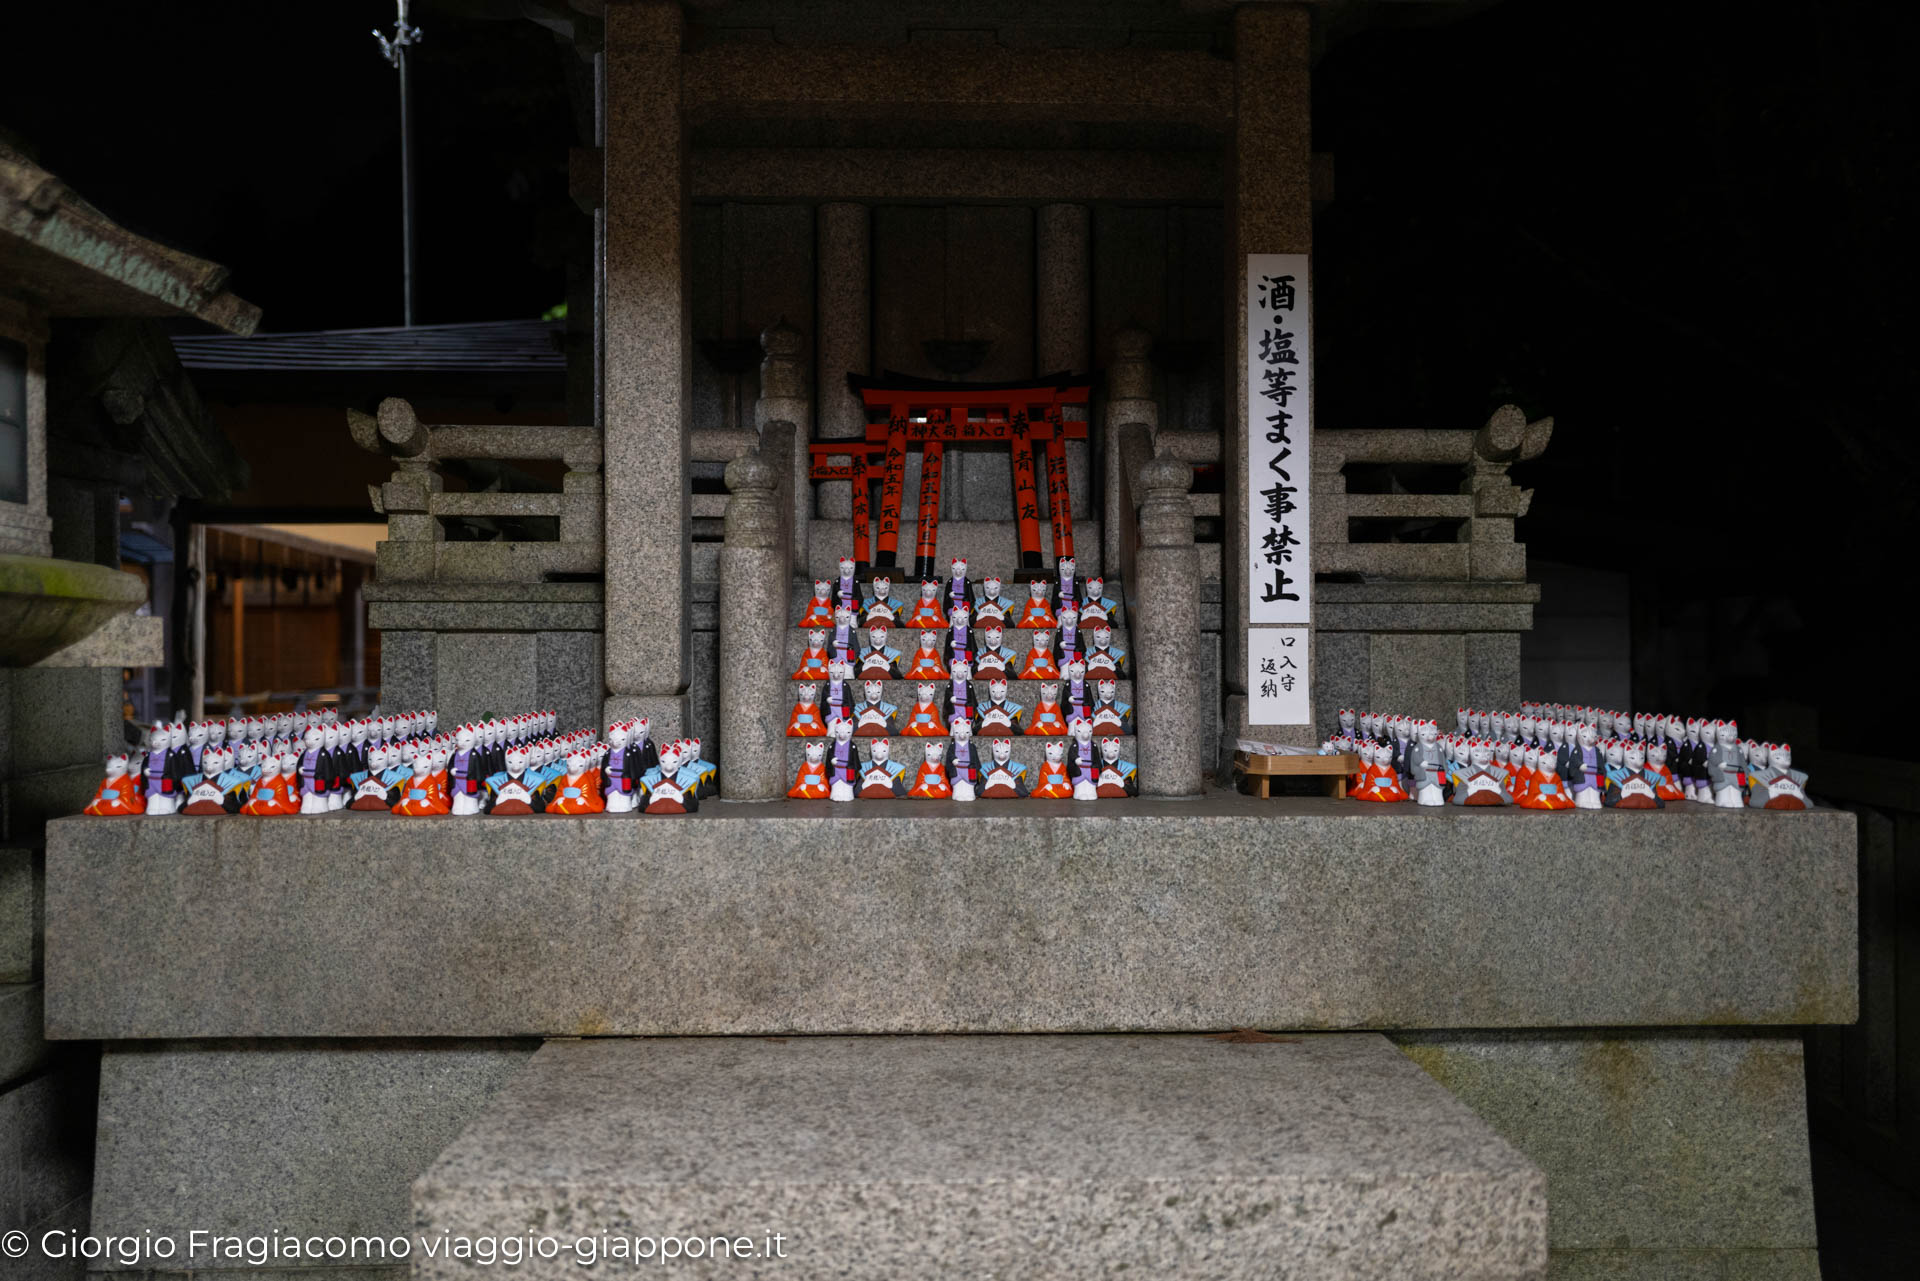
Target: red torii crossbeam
[{"x": 931, "y": 415}]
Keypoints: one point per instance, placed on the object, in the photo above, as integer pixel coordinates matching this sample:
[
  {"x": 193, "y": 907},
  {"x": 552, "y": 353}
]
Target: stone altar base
[
  {"x": 1040, "y": 1157},
  {"x": 905, "y": 916},
  {"x": 1632, "y": 960}
]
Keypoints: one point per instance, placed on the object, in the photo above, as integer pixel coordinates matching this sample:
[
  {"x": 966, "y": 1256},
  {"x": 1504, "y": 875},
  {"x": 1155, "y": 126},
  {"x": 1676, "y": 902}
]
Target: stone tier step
[
  {"x": 1027, "y": 749},
  {"x": 987, "y": 545},
  {"x": 803, "y": 591},
  {"x": 1319, "y": 1156}
]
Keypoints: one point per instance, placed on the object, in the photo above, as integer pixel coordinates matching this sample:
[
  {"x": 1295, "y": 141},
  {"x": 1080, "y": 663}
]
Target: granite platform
[
  {"x": 907, "y": 916},
  {"x": 1039, "y": 1157}
]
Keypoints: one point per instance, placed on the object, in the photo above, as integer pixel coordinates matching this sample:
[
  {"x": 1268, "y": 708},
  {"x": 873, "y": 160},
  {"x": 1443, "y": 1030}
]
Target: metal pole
[
  {"x": 395, "y": 51},
  {"x": 406, "y": 188}
]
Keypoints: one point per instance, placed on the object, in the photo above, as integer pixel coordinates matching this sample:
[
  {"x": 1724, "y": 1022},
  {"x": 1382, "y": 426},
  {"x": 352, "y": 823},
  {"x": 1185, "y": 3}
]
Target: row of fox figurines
[
  {"x": 832, "y": 770},
  {"x": 511, "y": 765},
  {"x": 938, "y": 707},
  {"x": 1540, "y": 760},
  {"x": 938, "y": 601}
]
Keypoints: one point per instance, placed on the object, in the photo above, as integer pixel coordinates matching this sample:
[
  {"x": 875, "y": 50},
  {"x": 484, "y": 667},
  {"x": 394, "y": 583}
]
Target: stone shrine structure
[
  {"x": 94, "y": 409},
  {"x": 355, "y": 1023}
]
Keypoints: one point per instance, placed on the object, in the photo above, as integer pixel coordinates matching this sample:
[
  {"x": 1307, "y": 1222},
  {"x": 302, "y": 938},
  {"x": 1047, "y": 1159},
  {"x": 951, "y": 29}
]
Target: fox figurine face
[
  {"x": 873, "y": 691},
  {"x": 880, "y": 750},
  {"x": 877, "y": 636},
  {"x": 924, "y": 692},
  {"x": 1002, "y": 750},
  {"x": 936, "y": 752}
]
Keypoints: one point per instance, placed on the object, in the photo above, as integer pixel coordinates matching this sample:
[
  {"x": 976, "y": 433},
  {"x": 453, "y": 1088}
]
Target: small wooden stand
[{"x": 1254, "y": 770}]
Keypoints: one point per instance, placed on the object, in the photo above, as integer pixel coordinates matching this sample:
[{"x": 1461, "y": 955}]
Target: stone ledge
[
  {"x": 1029, "y": 916},
  {"x": 131, "y": 640},
  {"x": 1039, "y": 1157}
]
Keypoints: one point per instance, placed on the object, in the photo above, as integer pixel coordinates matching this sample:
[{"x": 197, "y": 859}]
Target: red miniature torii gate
[{"x": 932, "y": 415}]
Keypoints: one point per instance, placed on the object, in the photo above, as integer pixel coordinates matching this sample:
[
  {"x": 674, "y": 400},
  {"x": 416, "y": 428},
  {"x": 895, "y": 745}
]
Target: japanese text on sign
[
  {"x": 1278, "y": 692},
  {"x": 1279, "y": 440}
]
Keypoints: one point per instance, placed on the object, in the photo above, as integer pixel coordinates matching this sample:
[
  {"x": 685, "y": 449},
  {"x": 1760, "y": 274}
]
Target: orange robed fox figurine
[
  {"x": 819, "y": 611},
  {"x": 925, "y": 610},
  {"x": 1037, "y": 609},
  {"x": 811, "y": 783},
  {"x": 930, "y": 782},
  {"x": 118, "y": 794}
]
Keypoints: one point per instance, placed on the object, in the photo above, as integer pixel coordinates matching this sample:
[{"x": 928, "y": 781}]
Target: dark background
[{"x": 1683, "y": 230}]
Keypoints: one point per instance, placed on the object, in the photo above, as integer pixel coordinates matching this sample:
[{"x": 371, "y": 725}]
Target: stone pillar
[
  {"x": 1130, "y": 399},
  {"x": 783, "y": 398},
  {"x": 1269, "y": 210},
  {"x": 1170, "y": 714},
  {"x": 648, "y": 390},
  {"x": 752, "y": 642},
  {"x": 844, "y": 338},
  {"x": 1063, "y": 310}
]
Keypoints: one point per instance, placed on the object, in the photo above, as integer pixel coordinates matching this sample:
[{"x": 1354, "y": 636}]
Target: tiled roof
[{"x": 497, "y": 346}]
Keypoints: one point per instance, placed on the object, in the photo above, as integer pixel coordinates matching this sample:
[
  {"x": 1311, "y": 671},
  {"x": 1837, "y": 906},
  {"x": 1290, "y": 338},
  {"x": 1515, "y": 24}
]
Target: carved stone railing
[
  {"x": 1484, "y": 504},
  {"x": 417, "y": 505}
]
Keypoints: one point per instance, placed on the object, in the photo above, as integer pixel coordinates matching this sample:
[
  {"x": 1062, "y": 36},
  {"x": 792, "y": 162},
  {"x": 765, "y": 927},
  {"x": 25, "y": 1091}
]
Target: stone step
[
  {"x": 1318, "y": 1156},
  {"x": 904, "y": 589},
  {"x": 988, "y": 546},
  {"x": 902, "y": 693}
]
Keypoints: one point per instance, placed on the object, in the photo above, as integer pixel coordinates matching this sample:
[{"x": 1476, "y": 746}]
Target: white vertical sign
[
  {"x": 1278, "y": 692},
  {"x": 1279, "y": 441},
  {"x": 1279, "y": 476}
]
